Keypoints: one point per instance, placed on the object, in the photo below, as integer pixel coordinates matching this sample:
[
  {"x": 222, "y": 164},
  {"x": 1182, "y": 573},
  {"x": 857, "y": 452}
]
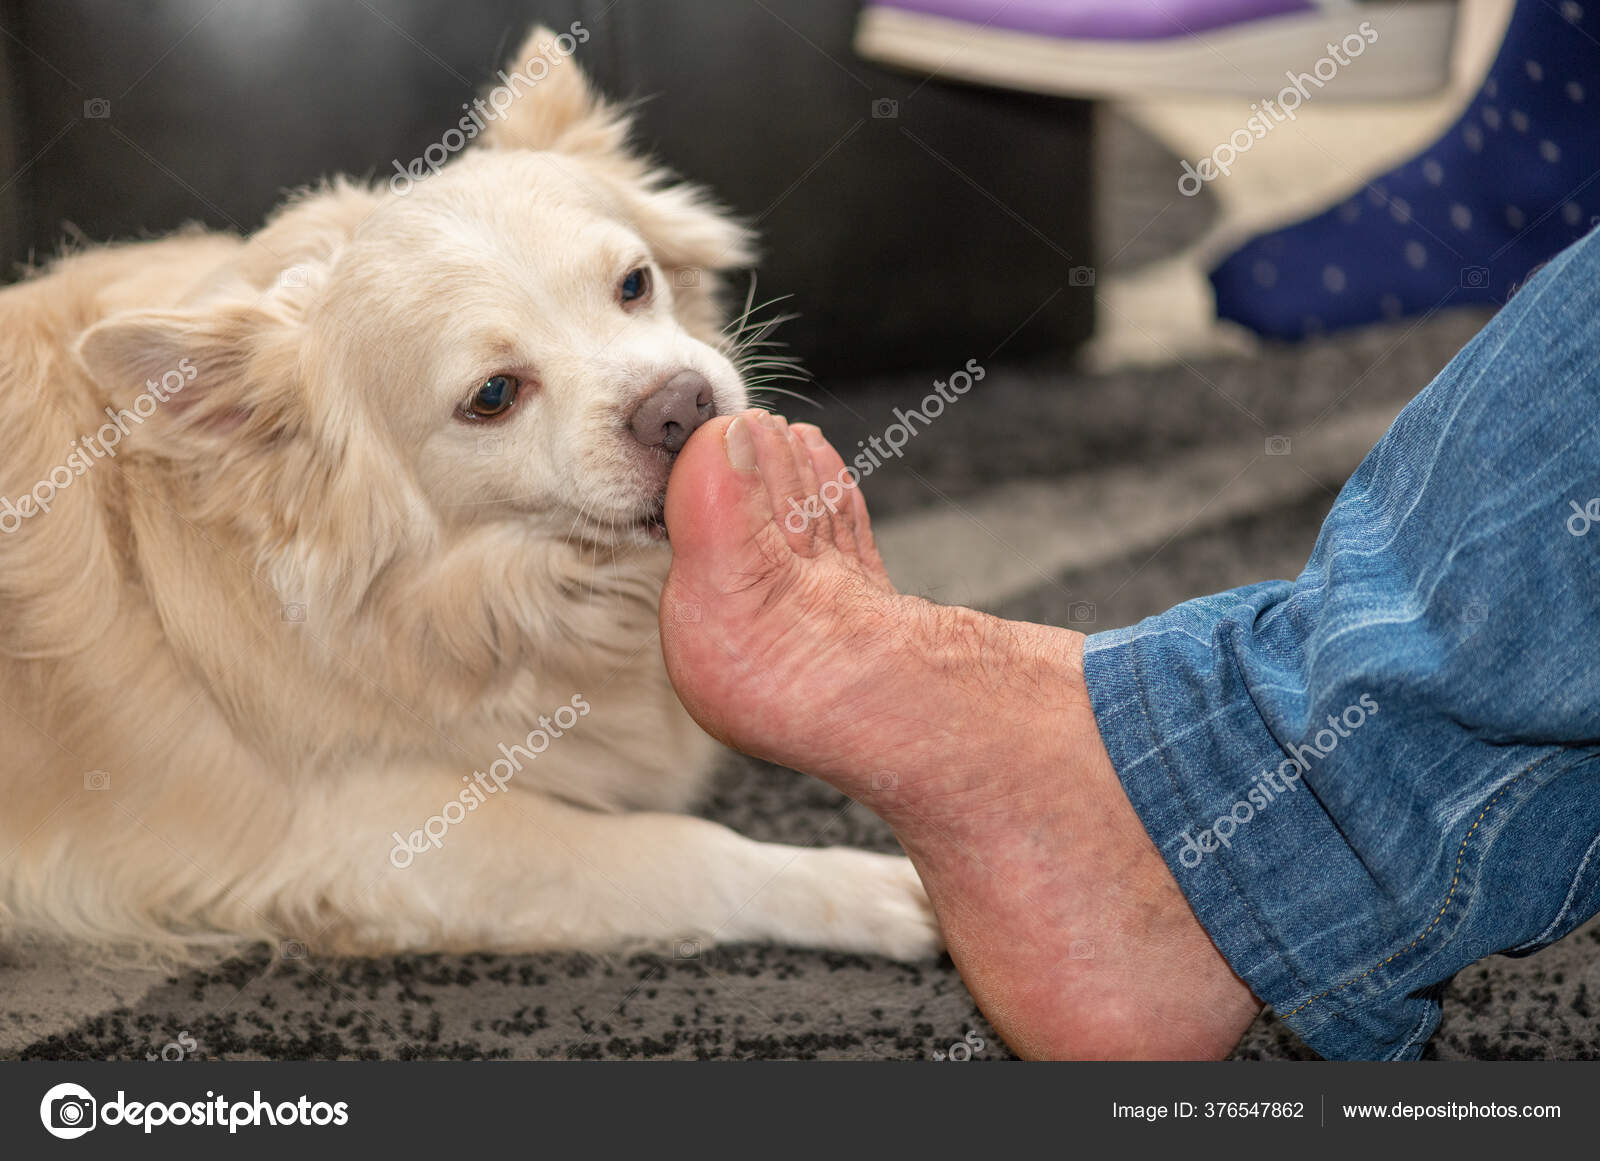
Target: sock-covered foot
[
  {"x": 972, "y": 737},
  {"x": 1513, "y": 182}
]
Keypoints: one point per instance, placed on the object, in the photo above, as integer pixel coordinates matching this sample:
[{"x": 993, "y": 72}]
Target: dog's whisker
[
  {"x": 776, "y": 377},
  {"x": 784, "y": 366},
  {"x": 739, "y": 322},
  {"x": 774, "y": 357},
  {"x": 566, "y": 538},
  {"x": 768, "y": 359},
  {"x": 791, "y": 394},
  {"x": 754, "y": 331},
  {"x": 759, "y": 328},
  {"x": 577, "y": 520},
  {"x": 766, "y": 349},
  {"x": 486, "y": 503},
  {"x": 749, "y": 297},
  {"x": 741, "y": 325}
]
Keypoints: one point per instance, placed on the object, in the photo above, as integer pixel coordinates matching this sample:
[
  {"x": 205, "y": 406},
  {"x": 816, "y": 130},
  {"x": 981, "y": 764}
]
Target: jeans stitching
[
  {"x": 1455, "y": 882},
  {"x": 1412, "y": 1038}
]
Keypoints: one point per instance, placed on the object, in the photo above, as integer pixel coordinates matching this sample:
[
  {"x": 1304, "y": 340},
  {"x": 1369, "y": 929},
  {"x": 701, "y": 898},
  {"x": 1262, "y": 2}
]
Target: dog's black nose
[{"x": 671, "y": 412}]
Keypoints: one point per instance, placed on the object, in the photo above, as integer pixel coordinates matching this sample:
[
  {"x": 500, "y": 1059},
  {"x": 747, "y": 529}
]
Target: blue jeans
[{"x": 1368, "y": 778}]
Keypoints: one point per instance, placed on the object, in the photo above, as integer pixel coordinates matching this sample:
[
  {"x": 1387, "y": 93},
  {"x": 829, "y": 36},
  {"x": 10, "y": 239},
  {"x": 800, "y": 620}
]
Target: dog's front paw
[
  {"x": 905, "y": 926},
  {"x": 857, "y": 901}
]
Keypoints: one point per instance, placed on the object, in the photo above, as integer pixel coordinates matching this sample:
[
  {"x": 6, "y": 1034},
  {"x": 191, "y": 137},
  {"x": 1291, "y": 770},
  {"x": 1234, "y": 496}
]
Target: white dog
[{"x": 329, "y": 565}]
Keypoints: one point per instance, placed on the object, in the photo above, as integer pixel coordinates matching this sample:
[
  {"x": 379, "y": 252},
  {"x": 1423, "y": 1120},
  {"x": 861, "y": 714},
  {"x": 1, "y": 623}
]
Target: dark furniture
[{"x": 916, "y": 224}]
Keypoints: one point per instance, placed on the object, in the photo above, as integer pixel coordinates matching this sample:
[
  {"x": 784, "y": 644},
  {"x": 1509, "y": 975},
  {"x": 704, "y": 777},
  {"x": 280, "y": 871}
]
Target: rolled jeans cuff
[{"x": 1350, "y": 942}]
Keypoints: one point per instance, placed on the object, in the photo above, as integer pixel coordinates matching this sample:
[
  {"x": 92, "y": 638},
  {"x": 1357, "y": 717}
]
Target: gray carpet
[{"x": 1104, "y": 436}]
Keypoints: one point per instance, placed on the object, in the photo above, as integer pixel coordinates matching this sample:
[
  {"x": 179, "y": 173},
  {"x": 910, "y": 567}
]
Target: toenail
[
  {"x": 740, "y": 448},
  {"x": 773, "y": 420},
  {"x": 812, "y": 434}
]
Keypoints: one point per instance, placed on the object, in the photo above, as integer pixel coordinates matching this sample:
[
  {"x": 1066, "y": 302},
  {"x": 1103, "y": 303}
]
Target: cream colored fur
[{"x": 305, "y": 602}]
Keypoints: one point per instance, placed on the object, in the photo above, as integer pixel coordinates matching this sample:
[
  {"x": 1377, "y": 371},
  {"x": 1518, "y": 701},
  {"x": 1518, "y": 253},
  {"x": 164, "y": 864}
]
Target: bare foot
[{"x": 973, "y": 737}]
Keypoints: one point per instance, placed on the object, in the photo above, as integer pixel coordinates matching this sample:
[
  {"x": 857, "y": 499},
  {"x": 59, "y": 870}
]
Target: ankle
[{"x": 998, "y": 703}]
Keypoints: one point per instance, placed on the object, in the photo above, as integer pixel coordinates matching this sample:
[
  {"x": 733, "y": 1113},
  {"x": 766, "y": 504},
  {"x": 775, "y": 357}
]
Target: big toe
[
  {"x": 747, "y": 502},
  {"x": 760, "y": 548},
  {"x": 717, "y": 504},
  {"x": 727, "y": 560}
]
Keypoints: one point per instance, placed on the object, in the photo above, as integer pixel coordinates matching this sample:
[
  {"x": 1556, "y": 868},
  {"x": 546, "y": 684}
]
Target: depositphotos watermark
[
  {"x": 68, "y": 1111},
  {"x": 1583, "y": 518},
  {"x": 99, "y": 446},
  {"x": 964, "y": 1049},
  {"x": 891, "y": 444},
  {"x": 184, "y": 1047},
  {"x": 482, "y": 784},
  {"x": 488, "y": 108},
  {"x": 1267, "y": 115},
  {"x": 1274, "y": 783}
]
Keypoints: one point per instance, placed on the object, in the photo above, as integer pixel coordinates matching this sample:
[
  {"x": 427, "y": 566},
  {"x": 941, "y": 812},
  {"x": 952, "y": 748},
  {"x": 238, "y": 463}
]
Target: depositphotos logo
[{"x": 70, "y": 1110}]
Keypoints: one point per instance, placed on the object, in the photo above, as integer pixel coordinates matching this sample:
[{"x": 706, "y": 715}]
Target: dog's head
[{"x": 524, "y": 335}]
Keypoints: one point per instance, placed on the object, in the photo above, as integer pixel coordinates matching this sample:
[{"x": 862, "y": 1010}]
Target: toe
[
  {"x": 833, "y": 488},
  {"x": 866, "y": 546},
  {"x": 806, "y": 516},
  {"x": 842, "y": 498},
  {"x": 718, "y": 508},
  {"x": 791, "y": 486}
]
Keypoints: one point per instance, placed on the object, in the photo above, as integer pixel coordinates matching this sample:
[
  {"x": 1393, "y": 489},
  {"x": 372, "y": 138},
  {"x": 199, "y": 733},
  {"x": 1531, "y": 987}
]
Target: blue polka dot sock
[{"x": 1511, "y": 183}]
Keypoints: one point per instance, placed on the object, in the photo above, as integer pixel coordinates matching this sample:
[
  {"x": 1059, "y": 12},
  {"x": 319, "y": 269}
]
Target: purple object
[{"x": 1102, "y": 19}]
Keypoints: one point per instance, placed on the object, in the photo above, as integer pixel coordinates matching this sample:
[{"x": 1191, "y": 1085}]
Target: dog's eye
[
  {"x": 636, "y": 285},
  {"x": 493, "y": 397}
]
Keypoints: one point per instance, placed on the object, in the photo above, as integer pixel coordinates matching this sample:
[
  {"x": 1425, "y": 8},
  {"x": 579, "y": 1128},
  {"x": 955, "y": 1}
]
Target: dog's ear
[
  {"x": 542, "y": 100},
  {"x": 193, "y": 384},
  {"x": 686, "y": 229}
]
